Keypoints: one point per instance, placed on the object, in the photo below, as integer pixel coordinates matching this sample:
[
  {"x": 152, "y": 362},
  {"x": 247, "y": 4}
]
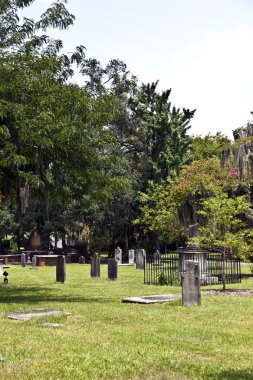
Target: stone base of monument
[
  {"x": 153, "y": 299},
  {"x": 208, "y": 280}
]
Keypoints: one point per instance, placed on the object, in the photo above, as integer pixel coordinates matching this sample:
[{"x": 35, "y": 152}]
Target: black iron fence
[{"x": 214, "y": 269}]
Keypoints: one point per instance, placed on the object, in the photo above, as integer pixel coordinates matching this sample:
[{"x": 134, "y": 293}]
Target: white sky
[{"x": 202, "y": 49}]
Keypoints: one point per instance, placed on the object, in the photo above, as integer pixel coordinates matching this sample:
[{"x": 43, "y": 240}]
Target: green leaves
[
  {"x": 226, "y": 223},
  {"x": 53, "y": 135}
]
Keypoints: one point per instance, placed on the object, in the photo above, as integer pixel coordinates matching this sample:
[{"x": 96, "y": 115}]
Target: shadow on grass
[
  {"x": 246, "y": 275},
  {"x": 38, "y": 294},
  {"x": 233, "y": 374}
]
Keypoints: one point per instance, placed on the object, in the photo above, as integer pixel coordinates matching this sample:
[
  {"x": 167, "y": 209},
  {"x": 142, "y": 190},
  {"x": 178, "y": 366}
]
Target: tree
[
  {"x": 226, "y": 229},
  {"x": 169, "y": 209},
  {"x": 163, "y": 130},
  {"x": 45, "y": 122}
]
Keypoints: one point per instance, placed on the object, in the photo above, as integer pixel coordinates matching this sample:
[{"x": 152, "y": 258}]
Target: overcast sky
[{"x": 202, "y": 49}]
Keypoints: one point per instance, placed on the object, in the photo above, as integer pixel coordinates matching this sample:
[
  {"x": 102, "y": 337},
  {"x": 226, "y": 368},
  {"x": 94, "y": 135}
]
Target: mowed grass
[{"x": 104, "y": 338}]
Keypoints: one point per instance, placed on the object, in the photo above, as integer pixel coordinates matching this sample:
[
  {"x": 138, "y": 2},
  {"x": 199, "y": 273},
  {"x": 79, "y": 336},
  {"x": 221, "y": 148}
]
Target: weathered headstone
[
  {"x": 191, "y": 284},
  {"x": 23, "y": 260},
  {"x": 34, "y": 262},
  {"x": 157, "y": 258},
  {"x": 95, "y": 266},
  {"x": 1, "y": 267},
  {"x": 118, "y": 255},
  {"x": 131, "y": 256},
  {"x": 112, "y": 269},
  {"x": 140, "y": 258},
  {"x": 81, "y": 260},
  {"x": 61, "y": 269}
]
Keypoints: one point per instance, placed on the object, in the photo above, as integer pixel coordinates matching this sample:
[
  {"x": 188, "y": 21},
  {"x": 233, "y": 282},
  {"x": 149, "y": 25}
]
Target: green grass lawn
[{"x": 104, "y": 338}]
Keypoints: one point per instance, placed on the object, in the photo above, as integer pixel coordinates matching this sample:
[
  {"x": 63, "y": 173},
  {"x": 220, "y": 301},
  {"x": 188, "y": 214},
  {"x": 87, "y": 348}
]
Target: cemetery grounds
[{"x": 104, "y": 338}]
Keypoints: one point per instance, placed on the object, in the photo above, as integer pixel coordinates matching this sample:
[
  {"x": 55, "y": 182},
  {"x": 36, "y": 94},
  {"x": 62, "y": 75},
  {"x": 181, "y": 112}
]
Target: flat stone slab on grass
[
  {"x": 27, "y": 315},
  {"x": 53, "y": 325},
  {"x": 7, "y": 286},
  {"x": 152, "y": 299}
]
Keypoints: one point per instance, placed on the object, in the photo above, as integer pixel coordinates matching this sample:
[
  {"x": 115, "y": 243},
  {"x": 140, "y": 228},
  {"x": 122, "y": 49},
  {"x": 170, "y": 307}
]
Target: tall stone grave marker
[
  {"x": 140, "y": 258},
  {"x": 112, "y": 269},
  {"x": 23, "y": 260},
  {"x": 1, "y": 268},
  {"x": 131, "y": 256},
  {"x": 34, "y": 262},
  {"x": 191, "y": 284},
  {"x": 118, "y": 255},
  {"x": 60, "y": 269},
  {"x": 95, "y": 266},
  {"x": 157, "y": 258}
]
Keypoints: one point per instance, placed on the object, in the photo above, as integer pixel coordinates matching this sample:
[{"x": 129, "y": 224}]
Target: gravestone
[
  {"x": 23, "y": 260},
  {"x": 95, "y": 266},
  {"x": 81, "y": 260},
  {"x": 191, "y": 284},
  {"x": 112, "y": 269},
  {"x": 152, "y": 299},
  {"x": 1, "y": 268},
  {"x": 140, "y": 258},
  {"x": 118, "y": 255},
  {"x": 60, "y": 269},
  {"x": 157, "y": 258},
  {"x": 131, "y": 256},
  {"x": 38, "y": 313},
  {"x": 34, "y": 262}
]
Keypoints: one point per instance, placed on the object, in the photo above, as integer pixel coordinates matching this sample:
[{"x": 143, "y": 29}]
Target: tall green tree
[
  {"x": 164, "y": 129},
  {"x": 53, "y": 137}
]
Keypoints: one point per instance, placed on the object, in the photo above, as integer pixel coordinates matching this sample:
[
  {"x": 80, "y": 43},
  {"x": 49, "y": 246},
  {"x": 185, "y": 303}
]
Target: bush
[{"x": 170, "y": 279}]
